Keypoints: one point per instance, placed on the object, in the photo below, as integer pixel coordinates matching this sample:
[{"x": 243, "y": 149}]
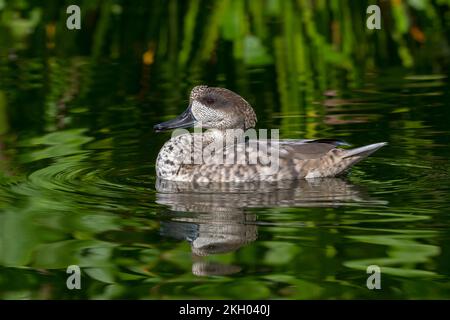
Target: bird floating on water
[{"x": 228, "y": 117}]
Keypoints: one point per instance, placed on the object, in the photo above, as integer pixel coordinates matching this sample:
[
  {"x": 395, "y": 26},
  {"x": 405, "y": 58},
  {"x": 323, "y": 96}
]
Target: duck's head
[{"x": 213, "y": 108}]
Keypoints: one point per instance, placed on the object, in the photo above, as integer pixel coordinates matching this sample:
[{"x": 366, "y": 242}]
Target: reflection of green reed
[
  {"x": 404, "y": 252},
  {"x": 57, "y": 211}
]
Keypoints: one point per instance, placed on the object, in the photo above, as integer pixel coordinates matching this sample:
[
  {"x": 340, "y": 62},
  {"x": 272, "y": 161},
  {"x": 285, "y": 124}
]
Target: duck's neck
[
  {"x": 215, "y": 140},
  {"x": 225, "y": 136}
]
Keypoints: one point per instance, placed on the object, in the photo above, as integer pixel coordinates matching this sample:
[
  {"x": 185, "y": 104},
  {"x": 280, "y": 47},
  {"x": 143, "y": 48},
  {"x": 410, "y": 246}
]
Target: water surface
[{"x": 86, "y": 194}]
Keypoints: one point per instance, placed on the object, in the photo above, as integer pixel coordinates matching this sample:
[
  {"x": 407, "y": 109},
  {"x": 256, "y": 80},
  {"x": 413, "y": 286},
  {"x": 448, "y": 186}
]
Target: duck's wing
[
  {"x": 308, "y": 149},
  {"x": 286, "y": 148},
  {"x": 296, "y": 149},
  {"x": 334, "y": 142}
]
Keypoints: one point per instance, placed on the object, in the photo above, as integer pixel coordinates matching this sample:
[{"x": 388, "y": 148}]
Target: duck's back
[{"x": 266, "y": 160}]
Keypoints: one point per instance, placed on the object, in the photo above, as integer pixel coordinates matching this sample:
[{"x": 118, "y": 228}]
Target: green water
[{"x": 78, "y": 185}]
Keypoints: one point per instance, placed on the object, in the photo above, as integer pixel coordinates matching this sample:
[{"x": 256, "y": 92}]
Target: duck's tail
[
  {"x": 349, "y": 157},
  {"x": 360, "y": 153}
]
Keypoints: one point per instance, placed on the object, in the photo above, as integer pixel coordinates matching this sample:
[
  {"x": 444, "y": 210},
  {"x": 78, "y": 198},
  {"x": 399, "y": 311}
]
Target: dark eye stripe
[{"x": 209, "y": 100}]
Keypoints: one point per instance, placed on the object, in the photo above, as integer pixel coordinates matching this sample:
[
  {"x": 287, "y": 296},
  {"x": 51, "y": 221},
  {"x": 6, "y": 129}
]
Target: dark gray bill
[{"x": 184, "y": 120}]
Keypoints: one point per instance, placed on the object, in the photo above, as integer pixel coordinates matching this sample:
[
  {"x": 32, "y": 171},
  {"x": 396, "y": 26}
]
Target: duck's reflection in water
[{"x": 217, "y": 221}]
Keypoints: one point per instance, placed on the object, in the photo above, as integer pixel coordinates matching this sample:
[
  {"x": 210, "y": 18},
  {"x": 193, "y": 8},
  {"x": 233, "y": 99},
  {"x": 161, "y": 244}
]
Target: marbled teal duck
[{"x": 228, "y": 117}]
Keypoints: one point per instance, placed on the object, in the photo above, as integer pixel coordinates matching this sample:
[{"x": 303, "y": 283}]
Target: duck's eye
[{"x": 209, "y": 100}]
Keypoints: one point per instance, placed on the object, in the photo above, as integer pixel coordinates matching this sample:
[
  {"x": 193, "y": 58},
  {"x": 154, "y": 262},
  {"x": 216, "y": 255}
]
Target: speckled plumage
[{"x": 221, "y": 110}]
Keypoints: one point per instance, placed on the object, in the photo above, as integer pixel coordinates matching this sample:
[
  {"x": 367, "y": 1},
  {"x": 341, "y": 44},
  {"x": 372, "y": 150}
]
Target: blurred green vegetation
[
  {"x": 305, "y": 43},
  {"x": 304, "y": 34}
]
